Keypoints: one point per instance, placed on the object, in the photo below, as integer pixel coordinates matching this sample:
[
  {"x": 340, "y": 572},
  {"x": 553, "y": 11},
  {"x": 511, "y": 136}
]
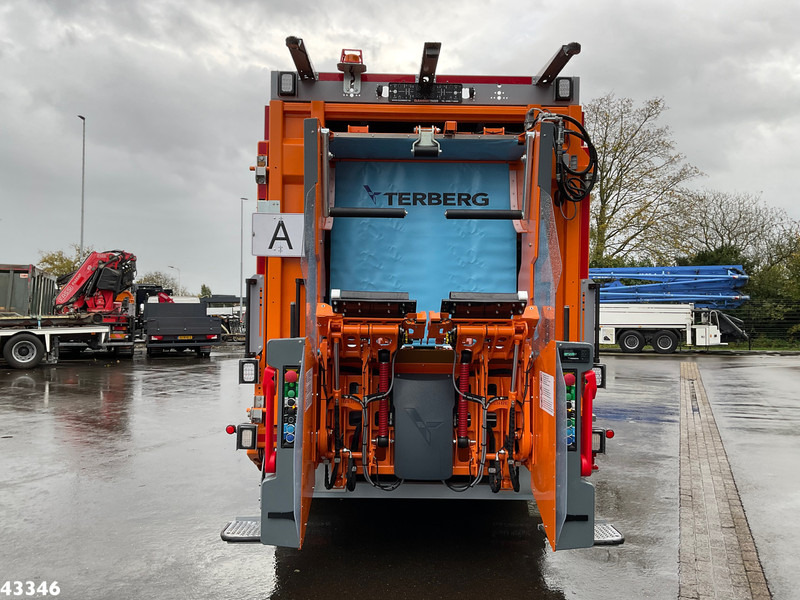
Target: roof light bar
[
  {"x": 287, "y": 83},
  {"x": 563, "y": 88}
]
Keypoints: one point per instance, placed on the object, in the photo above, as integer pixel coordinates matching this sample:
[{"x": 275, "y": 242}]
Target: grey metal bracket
[{"x": 426, "y": 145}]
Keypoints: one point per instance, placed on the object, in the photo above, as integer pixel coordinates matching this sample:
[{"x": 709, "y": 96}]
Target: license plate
[{"x": 184, "y": 337}]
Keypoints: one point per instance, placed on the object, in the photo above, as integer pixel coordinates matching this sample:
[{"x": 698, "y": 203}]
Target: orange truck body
[{"x": 505, "y": 374}]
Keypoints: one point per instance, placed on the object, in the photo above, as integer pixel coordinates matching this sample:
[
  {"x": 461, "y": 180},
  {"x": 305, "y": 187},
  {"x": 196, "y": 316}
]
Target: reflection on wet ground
[
  {"x": 416, "y": 549},
  {"x": 116, "y": 478}
]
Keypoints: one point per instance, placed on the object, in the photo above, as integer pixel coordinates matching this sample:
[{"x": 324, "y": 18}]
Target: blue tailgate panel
[{"x": 423, "y": 254}]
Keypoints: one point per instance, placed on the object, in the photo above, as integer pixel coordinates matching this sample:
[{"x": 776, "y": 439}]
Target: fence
[{"x": 772, "y": 322}]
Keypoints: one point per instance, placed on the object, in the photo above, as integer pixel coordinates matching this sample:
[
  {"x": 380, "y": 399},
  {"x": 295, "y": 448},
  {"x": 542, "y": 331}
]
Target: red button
[{"x": 290, "y": 377}]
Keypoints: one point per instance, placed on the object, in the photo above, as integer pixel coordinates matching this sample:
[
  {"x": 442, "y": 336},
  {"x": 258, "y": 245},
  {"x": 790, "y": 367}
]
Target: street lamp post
[
  {"x": 179, "y": 278},
  {"x": 83, "y": 182},
  {"x": 241, "y": 257}
]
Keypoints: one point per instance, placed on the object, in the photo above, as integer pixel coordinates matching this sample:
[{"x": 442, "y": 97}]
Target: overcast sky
[{"x": 173, "y": 95}]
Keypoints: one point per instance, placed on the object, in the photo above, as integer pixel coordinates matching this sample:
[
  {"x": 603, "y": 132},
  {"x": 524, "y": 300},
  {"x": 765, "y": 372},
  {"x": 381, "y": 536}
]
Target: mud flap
[{"x": 565, "y": 500}]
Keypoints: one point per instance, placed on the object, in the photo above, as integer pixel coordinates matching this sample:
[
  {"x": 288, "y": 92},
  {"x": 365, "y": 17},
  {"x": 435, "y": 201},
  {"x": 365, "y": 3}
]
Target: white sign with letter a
[{"x": 278, "y": 234}]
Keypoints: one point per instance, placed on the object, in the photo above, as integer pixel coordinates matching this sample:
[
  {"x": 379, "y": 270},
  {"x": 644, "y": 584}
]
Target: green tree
[
  {"x": 205, "y": 291},
  {"x": 722, "y": 255},
  {"x": 60, "y": 262},
  {"x": 640, "y": 179}
]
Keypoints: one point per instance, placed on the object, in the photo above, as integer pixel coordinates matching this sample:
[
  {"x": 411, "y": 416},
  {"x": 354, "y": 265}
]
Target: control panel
[
  {"x": 570, "y": 379},
  {"x": 575, "y": 360},
  {"x": 289, "y": 391}
]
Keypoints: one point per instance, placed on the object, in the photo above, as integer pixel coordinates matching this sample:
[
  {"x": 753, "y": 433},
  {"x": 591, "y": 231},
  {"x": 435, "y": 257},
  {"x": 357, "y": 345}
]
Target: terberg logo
[
  {"x": 424, "y": 427},
  {"x": 429, "y": 198},
  {"x": 372, "y": 195}
]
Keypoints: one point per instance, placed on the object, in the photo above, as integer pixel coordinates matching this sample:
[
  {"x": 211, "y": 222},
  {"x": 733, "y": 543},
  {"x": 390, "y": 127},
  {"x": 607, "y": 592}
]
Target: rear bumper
[{"x": 181, "y": 344}]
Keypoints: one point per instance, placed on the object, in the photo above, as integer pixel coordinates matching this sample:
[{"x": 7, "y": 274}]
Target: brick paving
[{"x": 717, "y": 556}]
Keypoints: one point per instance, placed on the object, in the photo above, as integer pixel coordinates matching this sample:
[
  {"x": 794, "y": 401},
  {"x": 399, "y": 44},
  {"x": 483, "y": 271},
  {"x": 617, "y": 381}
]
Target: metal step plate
[
  {"x": 242, "y": 530},
  {"x": 606, "y": 534}
]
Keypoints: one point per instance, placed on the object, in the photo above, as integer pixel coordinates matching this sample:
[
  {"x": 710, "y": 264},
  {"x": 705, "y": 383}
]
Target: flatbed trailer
[
  {"x": 93, "y": 310},
  {"x": 28, "y": 343}
]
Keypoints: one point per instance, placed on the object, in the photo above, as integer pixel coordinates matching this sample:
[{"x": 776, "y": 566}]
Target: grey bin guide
[{"x": 423, "y": 406}]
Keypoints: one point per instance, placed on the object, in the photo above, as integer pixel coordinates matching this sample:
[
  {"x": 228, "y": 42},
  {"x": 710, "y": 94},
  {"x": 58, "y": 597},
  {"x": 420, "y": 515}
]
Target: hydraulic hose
[
  {"x": 573, "y": 184},
  {"x": 463, "y": 409},
  {"x": 383, "y": 405},
  {"x": 365, "y": 431}
]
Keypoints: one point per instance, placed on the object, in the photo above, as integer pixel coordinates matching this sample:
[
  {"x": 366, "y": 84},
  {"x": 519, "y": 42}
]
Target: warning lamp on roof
[
  {"x": 352, "y": 58},
  {"x": 352, "y": 65}
]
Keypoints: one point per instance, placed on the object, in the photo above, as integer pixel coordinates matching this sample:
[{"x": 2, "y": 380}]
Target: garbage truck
[{"x": 420, "y": 323}]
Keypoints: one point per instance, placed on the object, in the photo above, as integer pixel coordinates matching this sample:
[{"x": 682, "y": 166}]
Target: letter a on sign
[{"x": 277, "y": 234}]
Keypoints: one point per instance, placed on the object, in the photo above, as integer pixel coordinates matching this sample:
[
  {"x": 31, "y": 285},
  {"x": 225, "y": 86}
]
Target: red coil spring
[
  {"x": 463, "y": 387},
  {"x": 383, "y": 404}
]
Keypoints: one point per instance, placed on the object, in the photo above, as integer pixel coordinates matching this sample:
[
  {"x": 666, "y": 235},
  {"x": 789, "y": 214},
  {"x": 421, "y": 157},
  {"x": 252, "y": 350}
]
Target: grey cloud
[{"x": 174, "y": 93}]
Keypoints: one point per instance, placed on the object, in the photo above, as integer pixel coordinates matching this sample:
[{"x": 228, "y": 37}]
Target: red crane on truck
[
  {"x": 92, "y": 309},
  {"x": 95, "y": 289}
]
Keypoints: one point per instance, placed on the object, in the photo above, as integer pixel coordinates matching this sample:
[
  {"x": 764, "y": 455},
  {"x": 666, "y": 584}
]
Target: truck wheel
[
  {"x": 23, "y": 351},
  {"x": 664, "y": 342},
  {"x": 631, "y": 341}
]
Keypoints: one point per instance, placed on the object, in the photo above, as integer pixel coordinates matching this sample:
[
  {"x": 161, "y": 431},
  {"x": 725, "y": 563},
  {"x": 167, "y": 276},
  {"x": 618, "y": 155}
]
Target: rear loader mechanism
[{"x": 421, "y": 324}]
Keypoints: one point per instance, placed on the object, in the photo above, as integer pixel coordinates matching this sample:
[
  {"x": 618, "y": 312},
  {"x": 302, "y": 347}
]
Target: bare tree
[
  {"x": 763, "y": 236},
  {"x": 640, "y": 175},
  {"x": 164, "y": 280}
]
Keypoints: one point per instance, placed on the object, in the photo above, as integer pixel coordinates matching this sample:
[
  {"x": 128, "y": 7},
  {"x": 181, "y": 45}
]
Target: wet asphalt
[
  {"x": 117, "y": 477},
  {"x": 756, "y": 404}
]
